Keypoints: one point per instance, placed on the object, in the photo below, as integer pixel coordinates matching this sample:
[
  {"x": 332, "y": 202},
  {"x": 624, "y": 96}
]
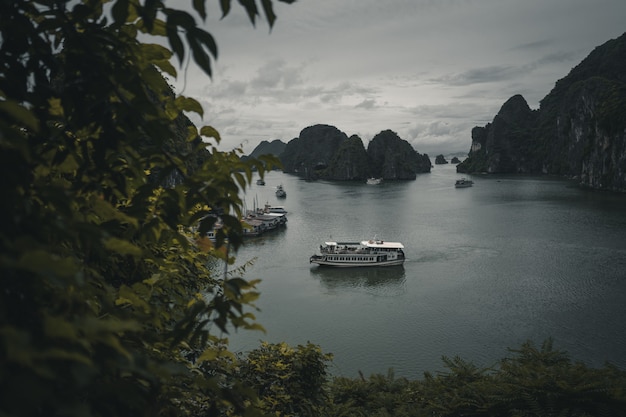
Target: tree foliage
[
  {"x": 289, "y": 381},
  {"x": 109, "y": 305},
  {"x": 532, "y": 382}
]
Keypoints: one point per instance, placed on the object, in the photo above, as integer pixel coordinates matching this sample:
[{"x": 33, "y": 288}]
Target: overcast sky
[{"x": 430, "y": 70}]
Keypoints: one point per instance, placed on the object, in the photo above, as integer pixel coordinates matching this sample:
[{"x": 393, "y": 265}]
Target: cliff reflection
[{"x": 382, "y": 280}]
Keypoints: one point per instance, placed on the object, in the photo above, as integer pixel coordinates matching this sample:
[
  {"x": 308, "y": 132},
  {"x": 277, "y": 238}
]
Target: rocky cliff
[
  {"x": 393, "y": 158},
  {"x": 324, "y": 152},
  {"x": 275, "y": 148},
  {"x": 578, "y": 131},
  {"x": 440, "y": 160},
  {"x": 349, "y": 163},
  {"x": 312, "y": 151}
]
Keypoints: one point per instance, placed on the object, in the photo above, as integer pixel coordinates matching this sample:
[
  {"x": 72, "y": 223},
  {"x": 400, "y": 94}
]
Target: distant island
[
  {"x": 440, "y": 160},
  {"x": 579, "y": 130},
  {"x": 324, "y": 152}
]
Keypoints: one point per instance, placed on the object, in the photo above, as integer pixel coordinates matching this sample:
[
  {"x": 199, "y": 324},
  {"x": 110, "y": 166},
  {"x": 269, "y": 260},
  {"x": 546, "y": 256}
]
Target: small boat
[
  {"x": 463, "y": 183},
  {"x": 371, "y": 252},
  {"x": 274, "y": 209},
  {"x": 280, "y": 191},
  {"x": 260, "y": 181},
  {"x": 374, "y": 181}
]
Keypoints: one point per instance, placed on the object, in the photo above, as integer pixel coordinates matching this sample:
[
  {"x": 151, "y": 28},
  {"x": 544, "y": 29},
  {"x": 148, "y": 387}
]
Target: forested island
[{"x": 325, "y": 152}]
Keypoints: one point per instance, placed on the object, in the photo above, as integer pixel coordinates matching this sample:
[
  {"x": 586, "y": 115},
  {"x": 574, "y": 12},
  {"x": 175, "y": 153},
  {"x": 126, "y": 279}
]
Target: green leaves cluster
[
  {"x": 110, "y": 304},
  {"x": 289, "y": 381}
]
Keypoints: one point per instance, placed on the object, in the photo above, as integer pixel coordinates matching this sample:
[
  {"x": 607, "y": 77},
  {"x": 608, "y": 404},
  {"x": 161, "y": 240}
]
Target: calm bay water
[{"x": 488, "y": 267}]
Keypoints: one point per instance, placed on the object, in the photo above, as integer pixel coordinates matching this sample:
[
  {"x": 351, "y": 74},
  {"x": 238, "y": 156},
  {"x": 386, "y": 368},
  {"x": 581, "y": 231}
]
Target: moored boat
[
  {"x": 463, "y": 183},
  {"x": 371, "y": 252},
  {"x": 374, "y": 181},
  {"x": 275, "y": 209}
]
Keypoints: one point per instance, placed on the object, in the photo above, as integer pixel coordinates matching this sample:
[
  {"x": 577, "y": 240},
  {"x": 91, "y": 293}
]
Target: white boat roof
[
  {"x": 370, "y": 243},
  {"x": 382, "y": 244}
]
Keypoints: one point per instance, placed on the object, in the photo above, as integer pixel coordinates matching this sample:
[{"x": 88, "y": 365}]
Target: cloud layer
[{"x": 429, "y": 70}]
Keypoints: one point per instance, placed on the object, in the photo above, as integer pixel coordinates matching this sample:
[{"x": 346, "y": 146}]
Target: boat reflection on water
[{"x": 386, "y": 280}]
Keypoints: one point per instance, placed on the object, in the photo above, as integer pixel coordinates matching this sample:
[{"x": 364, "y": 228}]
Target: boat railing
[{"x": 340, "y": 250}]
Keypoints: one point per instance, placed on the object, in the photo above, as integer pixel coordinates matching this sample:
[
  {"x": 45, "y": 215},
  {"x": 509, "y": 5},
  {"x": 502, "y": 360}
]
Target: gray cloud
[
  {"x": 491, "y": 74},
  {"x": 428, "y": 69},
  {"x": 368, "y": 104}
]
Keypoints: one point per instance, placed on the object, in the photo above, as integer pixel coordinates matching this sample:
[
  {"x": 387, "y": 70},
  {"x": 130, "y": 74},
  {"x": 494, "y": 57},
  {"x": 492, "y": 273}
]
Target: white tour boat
[
  {"x": 374, "y": 181},
  {"x": 371, "y": 252}
]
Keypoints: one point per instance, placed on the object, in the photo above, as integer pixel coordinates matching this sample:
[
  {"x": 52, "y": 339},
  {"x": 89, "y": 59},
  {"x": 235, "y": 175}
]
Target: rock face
[
  {"x": 275, "y": 148},
  {"x": 312, "y": 151},
  {"x": 324, "y": 152},
  {"x": 349, "y": 163},
  {"x": 502, "y": 146},
  {"x": 393, "y": 158},
  {"x": 579, "y": 129},
  {"x": 440, "y": 160}
]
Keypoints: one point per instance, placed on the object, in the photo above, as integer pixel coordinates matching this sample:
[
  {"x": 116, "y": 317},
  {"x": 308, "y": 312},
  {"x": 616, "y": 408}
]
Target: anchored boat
[
  {"x": 463, "y": 183},
  {"x": 280, "y": 191},
  {"x": 371, "y": 252}
]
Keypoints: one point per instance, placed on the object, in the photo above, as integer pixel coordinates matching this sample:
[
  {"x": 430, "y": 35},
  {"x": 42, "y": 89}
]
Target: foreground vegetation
[
  {"x": 532, "y": 381},
  {"x": 113, "y": 303}
]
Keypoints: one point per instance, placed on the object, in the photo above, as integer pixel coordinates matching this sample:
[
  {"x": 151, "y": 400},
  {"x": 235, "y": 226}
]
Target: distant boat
[
  {"x": 374, "y": 181},
  {"x": 260, "y": 181},
  {"x": 274, "y": 209},
  {"x": 371, "y": 252},
  {"x": 463, "y": 183},
  {"x": 259, "y": 221},
  {"x": 280, "y": 191}
]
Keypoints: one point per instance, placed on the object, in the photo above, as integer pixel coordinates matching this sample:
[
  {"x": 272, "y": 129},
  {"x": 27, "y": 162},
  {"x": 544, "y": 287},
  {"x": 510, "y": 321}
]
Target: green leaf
[
  {"x": 57, "y": 327},
  {"x": 120, "y": 12},
  {"x": 269, "y": 12},
  {"x": 200, "y": 56},
  {"x": 189, "y": 105},
  {"x": 122, "y": 246},
  {"x": 65, "y": 355},
  {"x": 250, "y": 6},
  {"x": 175, "y": 42},
  {"x": 45, "y": 263},
  {"x": 155, "y": 52},
  {"x": 166, "y": 66},
  {"x": 55, "y": 108},
  {"x": 225, "y": 5},
  {"x": 199, "y": 6},
  {"x": 126, "y": 296},
  {"x": 105, "y": 211},
  {"x": 205, "y": 39},
  {"x": 20, "y": 114},
  {"x": 210, "y": 132}
]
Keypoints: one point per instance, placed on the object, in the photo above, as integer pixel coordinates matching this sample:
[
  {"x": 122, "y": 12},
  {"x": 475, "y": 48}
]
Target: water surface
[{"x": 488, "y": 267}]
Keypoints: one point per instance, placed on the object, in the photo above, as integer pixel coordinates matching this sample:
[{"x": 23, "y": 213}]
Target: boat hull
[{"x": 355, "y": 264}]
